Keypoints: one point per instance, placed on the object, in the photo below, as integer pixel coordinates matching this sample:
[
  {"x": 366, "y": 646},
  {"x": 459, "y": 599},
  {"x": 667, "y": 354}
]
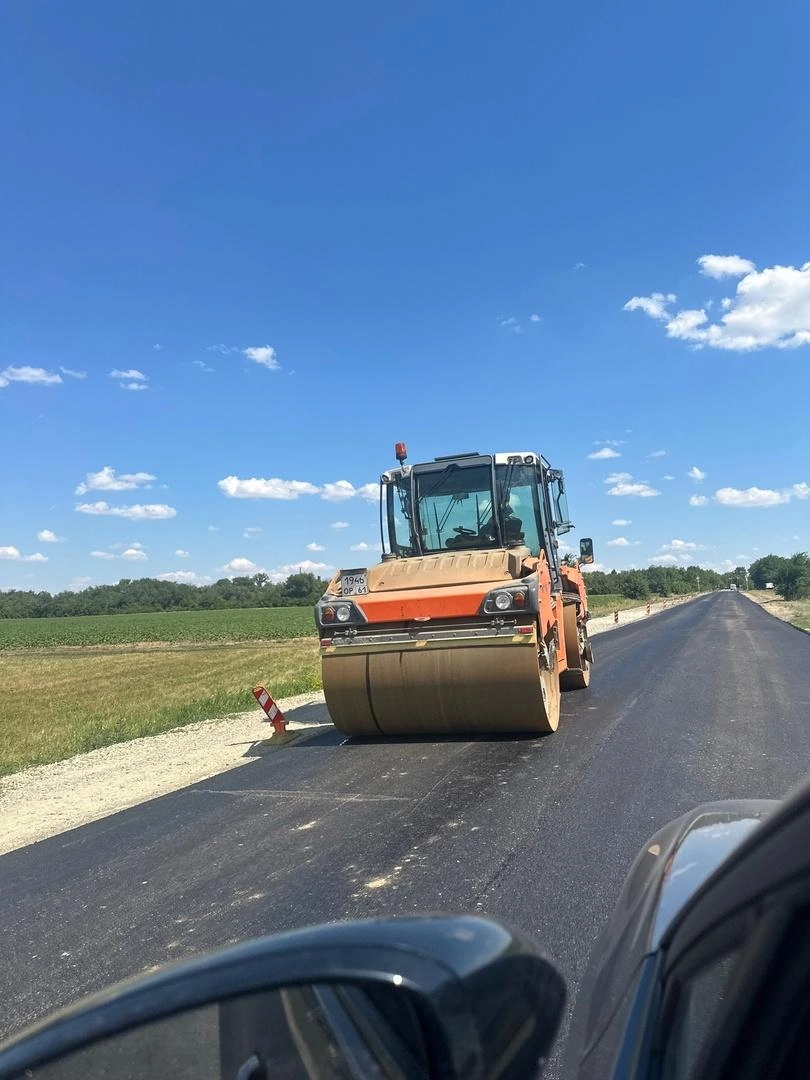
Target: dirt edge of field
[
  {"x": 47, "y": 800},
  {"x": 784, "y": 610}
]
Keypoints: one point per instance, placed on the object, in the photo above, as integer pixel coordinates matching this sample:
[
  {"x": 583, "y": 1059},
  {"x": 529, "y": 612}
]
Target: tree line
[
  {"x": 660, "y": 581},
  {"x": 148, "y": 594},
  {"x": 790, "y": 576}
]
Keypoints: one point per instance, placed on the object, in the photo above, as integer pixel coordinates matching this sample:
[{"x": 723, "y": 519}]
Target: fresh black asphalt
[{"x": 709, "y": 700}]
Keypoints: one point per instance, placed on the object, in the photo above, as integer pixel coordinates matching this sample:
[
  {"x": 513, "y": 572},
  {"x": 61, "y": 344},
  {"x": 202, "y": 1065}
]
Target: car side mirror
[
  {"x": 434, "y": 996},
  {"x": 586, "y": 550}
]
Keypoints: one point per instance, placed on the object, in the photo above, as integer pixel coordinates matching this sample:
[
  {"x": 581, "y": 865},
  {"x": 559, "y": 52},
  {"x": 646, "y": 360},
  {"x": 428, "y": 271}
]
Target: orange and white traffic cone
[{"x": 274, "y": 713}]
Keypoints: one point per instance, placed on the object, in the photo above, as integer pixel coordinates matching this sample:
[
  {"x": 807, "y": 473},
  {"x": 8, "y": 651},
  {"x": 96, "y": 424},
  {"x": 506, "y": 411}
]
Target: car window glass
[{"x": 698, "y": 1003}]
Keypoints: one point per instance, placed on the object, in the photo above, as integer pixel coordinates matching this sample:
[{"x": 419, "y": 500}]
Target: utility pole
[{"x": 698, "y": 581}]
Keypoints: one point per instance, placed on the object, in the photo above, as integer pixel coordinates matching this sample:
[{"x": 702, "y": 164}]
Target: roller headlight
[
  {"x": 513, "y": 598},
  {"x": 333, "y": 613}
]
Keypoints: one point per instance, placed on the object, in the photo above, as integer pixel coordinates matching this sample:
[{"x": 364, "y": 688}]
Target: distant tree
[
  {"x": 301, "y": 589},
  {"x": 792, "y": 580},
  {"x": 765, "y": 570},
  {"x": 634, "y": 585}
]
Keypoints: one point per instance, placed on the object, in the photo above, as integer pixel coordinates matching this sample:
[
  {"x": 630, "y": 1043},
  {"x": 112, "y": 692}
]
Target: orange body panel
[{"x": 450, "y": 602}]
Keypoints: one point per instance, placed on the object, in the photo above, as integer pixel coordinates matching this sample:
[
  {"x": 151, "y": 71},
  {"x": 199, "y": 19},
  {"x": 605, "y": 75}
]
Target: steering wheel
[{"x": 462, "y": 531}]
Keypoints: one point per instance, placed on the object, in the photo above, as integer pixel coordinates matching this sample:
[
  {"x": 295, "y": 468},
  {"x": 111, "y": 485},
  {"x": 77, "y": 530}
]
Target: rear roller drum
[
  {"x": 549, "y": 717},
  {"x": 578, "y": 674}
]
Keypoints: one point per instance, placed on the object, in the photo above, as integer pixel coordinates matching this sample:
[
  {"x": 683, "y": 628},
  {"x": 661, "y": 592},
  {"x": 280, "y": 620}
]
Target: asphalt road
[{"x": 707, "y": 701}]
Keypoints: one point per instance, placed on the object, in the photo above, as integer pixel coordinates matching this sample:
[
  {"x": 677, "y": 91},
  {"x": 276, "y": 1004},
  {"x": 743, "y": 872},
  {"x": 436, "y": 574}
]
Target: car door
[{"x": 733, "y": 988}]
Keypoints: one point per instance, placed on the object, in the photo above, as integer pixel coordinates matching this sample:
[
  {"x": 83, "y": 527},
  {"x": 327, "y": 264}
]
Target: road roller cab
[{"x": 470, "y": 622}]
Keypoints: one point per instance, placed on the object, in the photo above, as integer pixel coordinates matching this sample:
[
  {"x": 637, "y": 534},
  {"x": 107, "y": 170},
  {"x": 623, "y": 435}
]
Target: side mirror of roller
[{"x": 586, "y": 550}]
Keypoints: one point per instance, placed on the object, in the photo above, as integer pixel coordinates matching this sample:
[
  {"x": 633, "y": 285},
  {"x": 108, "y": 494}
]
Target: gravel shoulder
[
  {"x": 50, "y": 799},
  {"x": 797, "y": 613}
]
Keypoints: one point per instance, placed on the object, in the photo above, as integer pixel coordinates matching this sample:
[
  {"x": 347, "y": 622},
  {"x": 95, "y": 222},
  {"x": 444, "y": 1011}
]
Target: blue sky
[{"x": 298, "y": 233}]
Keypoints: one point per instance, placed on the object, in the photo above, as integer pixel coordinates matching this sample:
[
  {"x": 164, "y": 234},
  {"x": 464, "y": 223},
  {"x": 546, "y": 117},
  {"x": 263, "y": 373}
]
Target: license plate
[{"x": 354, "y": 582}]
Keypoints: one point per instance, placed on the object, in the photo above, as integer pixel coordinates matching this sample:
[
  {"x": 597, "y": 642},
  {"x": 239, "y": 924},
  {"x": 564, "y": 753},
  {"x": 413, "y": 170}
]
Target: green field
[
  {"x": 606, "y": 604},
  {"x": 59, "y": 702},
  {"x": 75, "y": 684},
  {"x": 170, "y": 627}
]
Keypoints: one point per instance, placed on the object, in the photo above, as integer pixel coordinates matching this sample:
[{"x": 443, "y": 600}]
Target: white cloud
[
  {"x": 339, "y": 491},
  {"x": 223, "y": 350},
  {"x": 262, "y": 354},
  {"x": 73, "y": 374},
  {"x": 363, "y": 546},
  {"x": 202, "y": 365},
  {"x": 182, "y": 577},
  {"x": 665, "y": 560},
  {"x": 251, "y": 532},
  {"x": 257, "y": 488},
  {"x": 306, "y": 566},
  {"x": 658, "y": 453},
  {"x": 48, "y": 537},
  {"x": 101, "y": 555},
  {"x": 315, "y": 547},
  {"x": 14, "y": 555},
  {"x": 642, "y": 490},
  {"x": 133, "y": 386},
  {"x": 579, "y": 266},
  {"x": 182, "y": 554},
  {"x": 621, "y": 521},
  {"x": 620, "y": 541},
  {"x": 158, "y": 348},
  {"x": 696, "y": 474},
  {"x": 33, "y": 375},
  {"x": 213, "y": 528},
  {"x": 148, "y": 512},
  {"x": 754, "y": 496},
  {"x": 134, "y": 554},
  {"x": 534, "y": 318},
  {"x": 676, "y": 553},
  {"x": 654, "y": 305},
  {"x": 623, "y": 484},
  {"x": 603, "y": 454},
  {"x": 590, "y": 568},
  {"x": 240, "y": 565},
  {"x": 106, "y": 480},
  {"x": 667, "y": 477},
  {"x": 720, "y": 266},
  {"x": 132, "y": 373},
  {"x": 697, "y": 500},
  {"x": 771, "y": 308},
  {"x": 339, "y": 525}
]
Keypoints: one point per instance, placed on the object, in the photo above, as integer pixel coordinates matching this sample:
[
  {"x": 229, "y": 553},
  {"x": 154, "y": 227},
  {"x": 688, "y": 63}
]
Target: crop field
[
  {"x": 76, "y": 684},
  {"x": 57, "y": 703},
  {"x": 170, "y": 627},
  {"x": 606, "y": 604}
]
